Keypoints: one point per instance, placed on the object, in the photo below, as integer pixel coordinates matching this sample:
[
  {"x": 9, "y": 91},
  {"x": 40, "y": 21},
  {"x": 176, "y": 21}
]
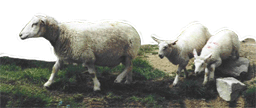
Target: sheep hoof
[
  {"x": 127, "y": 82},
  {"x": 117, "y": 81},
  {"x": 204, "y": 83},
  {"x": 96, "y": 88},
  {"x": 47, "y": 87},
  {"x": 174, "y": 84},
  {"x": 47, "y": 84},
  {"x": 185, "y": 76}
]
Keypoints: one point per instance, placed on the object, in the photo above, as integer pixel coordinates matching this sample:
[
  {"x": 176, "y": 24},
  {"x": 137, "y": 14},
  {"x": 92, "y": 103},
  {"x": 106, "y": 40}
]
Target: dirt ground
[
  {"x": 247, "y": 50},
  {"x": 118, "y": 95}
]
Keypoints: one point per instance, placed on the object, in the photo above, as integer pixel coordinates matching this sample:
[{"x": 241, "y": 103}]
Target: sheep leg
[
  {"x": 209, "y": 74},
  {"x": 177, "y": 75},
  {"x": 211, "y": 78},
  {"x": 185, "y": 73},
  {"x": 237, "y": 54},
  {"x": 127, "y": 72},
  {"x": 95, "y": 80},
  {"x": 206, "y": 76},
  {"x": 55, "y": 69}
]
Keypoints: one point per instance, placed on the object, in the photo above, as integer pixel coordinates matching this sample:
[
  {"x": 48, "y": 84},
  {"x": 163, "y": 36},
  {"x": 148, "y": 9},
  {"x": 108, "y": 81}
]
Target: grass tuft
[
  {"x": 250, "y": 96},
  {"x": 194, "y": 89},
  {"x": 147, "y": 49},
  {"x": 23, "y": 96},
  {"x": 150, "y": 100},
  {"x": 144, "y": 71},
  {"x": 21, "y": 84}
]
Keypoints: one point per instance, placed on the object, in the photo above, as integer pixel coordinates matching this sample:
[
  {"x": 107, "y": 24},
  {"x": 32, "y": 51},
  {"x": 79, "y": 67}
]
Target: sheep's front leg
[
  {"x": 96, "y": 82},
  {"x": 127, "y": 72},
  {"x": 181, "y": 66},
  {"x": 209, "y": 74},
  {"x": 206, "y": 76},
  {"x": 55, "y": 69},
  {"x": 212, "y": 68},
  {"x": 212, "y": 71},
  {"x": 177, "y": 75}
]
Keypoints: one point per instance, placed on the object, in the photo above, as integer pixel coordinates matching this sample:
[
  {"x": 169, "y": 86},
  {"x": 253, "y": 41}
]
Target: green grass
[
  {"x": 24, "y": 96},
  {"x": 21, "y": 85},
  {"x": 150, "y": 100},
  {"x": 142, "y": 70},
  {"x": 194, "y": 89},
  {"x": 250, "y": 96},
  {"x": 22, "y": 81},
  {"x": 147, "y": 49}
]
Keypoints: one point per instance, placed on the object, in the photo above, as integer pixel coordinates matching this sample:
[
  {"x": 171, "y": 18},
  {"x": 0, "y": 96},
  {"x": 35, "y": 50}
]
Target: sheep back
[
  {"x": 194, "y": 36},
  {"x": 222, "y": 44},
  {"x": 103, "y": 43}
]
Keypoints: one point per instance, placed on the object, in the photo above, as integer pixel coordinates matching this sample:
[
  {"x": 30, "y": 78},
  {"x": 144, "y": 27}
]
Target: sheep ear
[
  {"x": 173, "y": 43},
  {"x": 43, "y": 22},
  {"x": 208, "y": 56},
  {"x": 195, "y": 53},
  {"x": 153, "y": 36}
]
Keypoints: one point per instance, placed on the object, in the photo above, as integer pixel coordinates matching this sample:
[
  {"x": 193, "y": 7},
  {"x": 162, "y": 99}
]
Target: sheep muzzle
[
  {"x": 161, "y": 56},
  {"x": 22, "y": 36}
]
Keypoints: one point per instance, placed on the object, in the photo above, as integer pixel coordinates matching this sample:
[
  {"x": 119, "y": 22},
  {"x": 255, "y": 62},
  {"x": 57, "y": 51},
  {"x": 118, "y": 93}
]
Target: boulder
[
  {"x": 234, "y": 68},
  {"x": 229, "y": 88}
]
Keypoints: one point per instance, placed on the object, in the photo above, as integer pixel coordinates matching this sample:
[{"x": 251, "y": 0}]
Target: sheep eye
[
  {"x": 34, "y": 24},
  {"x": 165, "y": 47}
]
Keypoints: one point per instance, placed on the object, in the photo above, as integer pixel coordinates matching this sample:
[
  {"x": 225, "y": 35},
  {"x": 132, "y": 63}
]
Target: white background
[{"x": 165, "y": 18}]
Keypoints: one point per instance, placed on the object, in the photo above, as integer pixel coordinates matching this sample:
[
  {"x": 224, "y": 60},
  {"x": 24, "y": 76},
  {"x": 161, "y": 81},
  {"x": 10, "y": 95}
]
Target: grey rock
[
  {"x": 234, "y": 68},
  {"x": 229, "y": 88}
]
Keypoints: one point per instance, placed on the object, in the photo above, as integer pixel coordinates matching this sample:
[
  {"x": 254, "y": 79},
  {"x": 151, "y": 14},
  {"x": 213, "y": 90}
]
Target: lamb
[
  {"x": 223, "y": 45},
  {"x": 102, "y": 43},
  {"x": 180, "y": 51}
]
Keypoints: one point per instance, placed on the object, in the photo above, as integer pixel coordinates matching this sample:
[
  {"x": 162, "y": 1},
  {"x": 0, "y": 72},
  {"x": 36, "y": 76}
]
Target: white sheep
[
  {"x": 223, "y": 45},
  {"x": 179, "y": 51},
  {"x": 102, "y": 43}
]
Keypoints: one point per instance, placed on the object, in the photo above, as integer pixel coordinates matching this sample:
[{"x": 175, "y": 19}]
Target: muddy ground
[
  {"x": 149, "y": 93},
  {"x": 248, "y": 50},
  {"x": 163, "y": 88}
]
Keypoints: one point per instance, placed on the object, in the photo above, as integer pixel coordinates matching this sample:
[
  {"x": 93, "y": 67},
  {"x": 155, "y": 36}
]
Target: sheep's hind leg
[
  {"x": 96, "y": 82},
  {"x": 185, "y": 73},
  {"x": 127, "y": 72},
  {"x": 55, "y": 69},
  {"x": 237, "y": 54}
]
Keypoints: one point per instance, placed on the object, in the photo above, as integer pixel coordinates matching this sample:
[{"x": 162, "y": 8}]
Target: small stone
[{"x": 229, "y": 88}]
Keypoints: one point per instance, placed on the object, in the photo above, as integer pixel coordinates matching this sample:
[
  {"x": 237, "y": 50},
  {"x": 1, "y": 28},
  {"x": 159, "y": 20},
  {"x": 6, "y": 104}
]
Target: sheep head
[
  {"x": 34, "y": 28},
  {"x": 165, "y": 47},
  {"x": 200, "y": 62}
]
